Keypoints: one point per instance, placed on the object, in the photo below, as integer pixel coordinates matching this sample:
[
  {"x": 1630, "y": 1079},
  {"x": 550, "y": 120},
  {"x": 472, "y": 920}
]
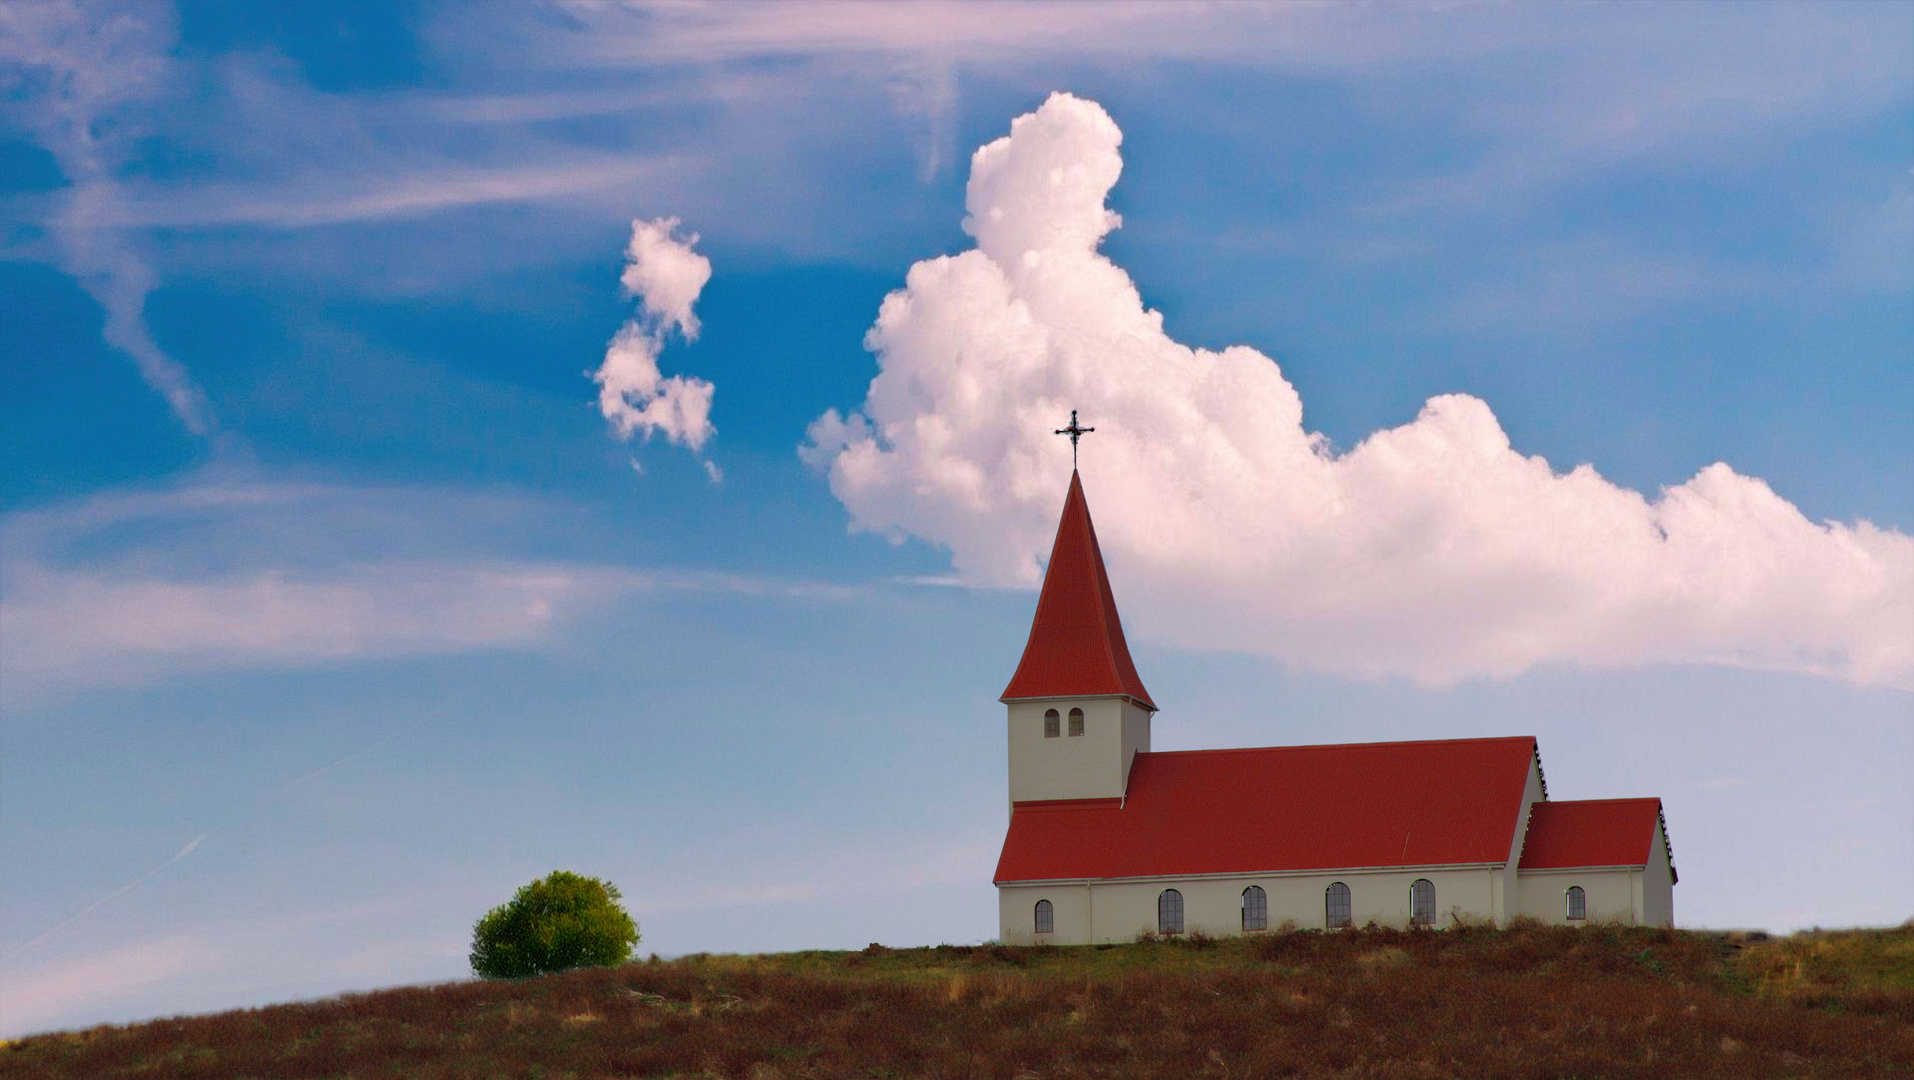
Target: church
[{"x": 1108, "y": 839}]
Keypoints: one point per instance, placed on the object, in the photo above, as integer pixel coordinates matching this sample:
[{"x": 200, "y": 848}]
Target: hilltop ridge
[{"x": 1526, "y": 1002}]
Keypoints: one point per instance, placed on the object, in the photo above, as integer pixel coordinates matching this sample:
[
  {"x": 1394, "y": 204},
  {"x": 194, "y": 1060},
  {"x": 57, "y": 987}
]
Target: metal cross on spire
[{"x": 1075, "y": 433}]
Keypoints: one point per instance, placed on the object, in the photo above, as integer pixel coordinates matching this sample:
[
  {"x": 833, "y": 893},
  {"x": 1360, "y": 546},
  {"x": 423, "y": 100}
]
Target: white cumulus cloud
[
  {"x": 1434, "y": 550},
  {"x": 665, "y": 275}
]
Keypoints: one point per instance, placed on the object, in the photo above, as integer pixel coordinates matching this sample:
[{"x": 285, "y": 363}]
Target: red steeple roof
[{"x": 1076, "y": 646}]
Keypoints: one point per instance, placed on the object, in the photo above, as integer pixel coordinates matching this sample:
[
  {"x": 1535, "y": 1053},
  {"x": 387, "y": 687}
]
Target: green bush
[{"x": 557, "y": 923}]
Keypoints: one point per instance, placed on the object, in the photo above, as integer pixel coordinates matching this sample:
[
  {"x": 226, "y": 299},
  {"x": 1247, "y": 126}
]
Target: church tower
[{"x": 1079, "y": 714}]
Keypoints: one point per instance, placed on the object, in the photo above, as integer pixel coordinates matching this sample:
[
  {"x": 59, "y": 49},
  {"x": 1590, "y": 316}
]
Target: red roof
[
  {"x": 1283, "y": 808},
  {"x": 1076, "y": 646},
  {"x": 1592, "y": 832}
]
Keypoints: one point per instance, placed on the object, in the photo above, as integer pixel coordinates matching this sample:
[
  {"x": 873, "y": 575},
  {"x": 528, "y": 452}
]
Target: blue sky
[{"x": 320, "y": 564}]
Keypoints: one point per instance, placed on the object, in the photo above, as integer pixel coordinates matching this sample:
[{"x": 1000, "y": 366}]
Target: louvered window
[
  {"x": 1336, "y": 906},
  {"x": 1169, "y": 912},
  {"x": 1422, "y": 903},
  {"x": 1051, "y": 723},
  {"x": 1255, "y": 908},
  {"x": 1577, "y": 902},
  {"x": 1076, "y": 721},
  {"x": 1046, "y": 917}
]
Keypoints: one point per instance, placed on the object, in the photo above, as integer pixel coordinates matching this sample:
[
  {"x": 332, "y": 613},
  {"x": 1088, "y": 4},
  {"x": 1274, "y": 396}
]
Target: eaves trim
[
  {"x": 1132, "y": 698},
  {"x": 1330, "y": 871},
  {"x": 1520, "y": 870}
]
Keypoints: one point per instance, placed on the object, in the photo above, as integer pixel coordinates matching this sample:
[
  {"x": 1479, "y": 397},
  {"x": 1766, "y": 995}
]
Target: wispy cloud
[
  {"x": 1549, "y": 93},
  {"x": 906, "y": 863},
  {"x": 130, "y": 587},
  {"x": 1873, "y": 243},
  {"x": 429, "y": 190},
  {"x": 105, "y": 625},
  {"x": 1566, "y": 285},
  {"x": 618, "y": 33},
  {"x": 203, "y": 577},
  {"x": 232, "y": 962},
  {"x": 30, "y": 1000},
  {"x": 541, "y": 104},
  {"x": 92, "y": 75},
  {"x": 679, "y": 97},
  {"x": 1583, "y": 94}
]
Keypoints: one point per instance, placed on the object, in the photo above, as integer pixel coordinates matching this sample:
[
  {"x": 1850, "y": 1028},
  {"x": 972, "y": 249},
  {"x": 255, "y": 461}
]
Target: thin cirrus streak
[
  {"x": 193, "y": 845},
  {"x": 421, "y": 191},
  {"x": 190, "y": 847}
]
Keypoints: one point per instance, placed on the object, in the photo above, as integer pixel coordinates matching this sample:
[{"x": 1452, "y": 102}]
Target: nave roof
[{"x": 1283, "y": 808}]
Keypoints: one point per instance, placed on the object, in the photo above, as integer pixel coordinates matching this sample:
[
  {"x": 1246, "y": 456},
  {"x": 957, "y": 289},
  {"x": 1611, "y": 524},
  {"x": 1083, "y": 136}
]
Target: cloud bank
[
  {"x": 1433, "y": 550},
  {"x": 665, "y": 276},
  {"x": 126, "y": 588},
  {"x": 67, "y": 624}
]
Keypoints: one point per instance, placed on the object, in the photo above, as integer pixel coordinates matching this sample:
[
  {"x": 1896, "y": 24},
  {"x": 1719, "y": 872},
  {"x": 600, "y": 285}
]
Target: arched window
[
  {"x": 1336, "y": 906},
  {"x": 1076, "y": 721},
  {"x": 1169, "y": 912},
  {"x": 1050, "y": 724},
  {"x": 1046, "y": 917},
  {"x": 1422, "y": 902},
  {"x": 1577, "y": 902},
  {"x": 1255, "y": 908}
]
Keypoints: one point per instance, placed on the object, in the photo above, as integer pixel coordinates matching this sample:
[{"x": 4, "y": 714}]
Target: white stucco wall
[
  {"x": 1658, "y": 885},
  {"x": 1094, "y": 765},
  {"x": 1503, "y": 901},
  {"x": 1543, "y": 894},
  {"x": 1118, "y": 910}
]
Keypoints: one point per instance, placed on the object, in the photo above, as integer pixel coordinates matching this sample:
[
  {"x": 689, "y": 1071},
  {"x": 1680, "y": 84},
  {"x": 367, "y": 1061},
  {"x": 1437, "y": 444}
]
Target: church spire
[{"x": 1076, "y": 646}]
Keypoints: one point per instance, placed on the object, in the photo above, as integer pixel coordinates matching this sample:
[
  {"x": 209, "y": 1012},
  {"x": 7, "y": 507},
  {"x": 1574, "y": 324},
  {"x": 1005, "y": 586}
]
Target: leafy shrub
[{"x": 557, "y": 923}]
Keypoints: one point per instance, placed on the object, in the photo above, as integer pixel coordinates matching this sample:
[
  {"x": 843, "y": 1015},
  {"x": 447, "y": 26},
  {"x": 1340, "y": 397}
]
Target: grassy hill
[{"x": 1528, "y": 1002}]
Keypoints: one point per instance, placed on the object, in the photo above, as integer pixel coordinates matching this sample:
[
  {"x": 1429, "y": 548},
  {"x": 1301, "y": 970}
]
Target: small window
[
  {"x": 1076, "y": 721},
  {"x": 1336, "y": 906},
  {"x": 1169, "y": 912},
  {"x": 1422, "y": 902},
  {"x": 1255, "y": 908},
  {"x": 1050, "y": 724},
  {"x": 1577, "y": 902},
  {"x": 1046, "y": 917}
]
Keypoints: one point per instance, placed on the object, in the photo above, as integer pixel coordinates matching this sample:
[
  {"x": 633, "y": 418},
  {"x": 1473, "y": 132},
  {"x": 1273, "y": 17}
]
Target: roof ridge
[
  {"x": 1586, "y": 802},
  {"x": 1341, "y": 746},
  {"x": 1108, "y": 606}
]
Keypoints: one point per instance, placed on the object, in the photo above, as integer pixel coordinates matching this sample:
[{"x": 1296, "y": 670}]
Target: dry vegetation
[{"x": 1471, "y": 1002}]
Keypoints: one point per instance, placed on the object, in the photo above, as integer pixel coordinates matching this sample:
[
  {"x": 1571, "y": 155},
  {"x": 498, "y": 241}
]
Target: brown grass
[{"x": 1528, "y": 1002}]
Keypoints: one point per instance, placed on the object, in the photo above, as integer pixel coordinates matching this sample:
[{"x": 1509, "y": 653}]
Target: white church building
[{"x": 1108, "y": 839}]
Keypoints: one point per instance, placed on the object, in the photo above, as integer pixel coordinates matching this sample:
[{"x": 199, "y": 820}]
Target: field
[{"x": 1526, "y": 1002}]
